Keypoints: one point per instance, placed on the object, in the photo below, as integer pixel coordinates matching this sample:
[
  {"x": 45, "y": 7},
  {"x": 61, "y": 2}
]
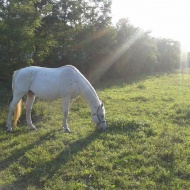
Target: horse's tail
[
  {"x": 17, "y": 112},
  {"x": 18, "y": 107}
]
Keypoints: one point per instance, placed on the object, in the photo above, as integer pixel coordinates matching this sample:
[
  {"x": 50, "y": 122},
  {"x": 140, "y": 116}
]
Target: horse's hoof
[
  {"x": 67, "y": 131},
  {"x": 9, "y": 130},
  {"x": 33, "y": 129},
  {"x": 103, "y": 130}
]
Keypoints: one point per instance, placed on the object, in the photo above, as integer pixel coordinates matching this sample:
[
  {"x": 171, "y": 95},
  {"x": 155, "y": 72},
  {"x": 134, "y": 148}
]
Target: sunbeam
[{"x": 107, "y": 63}]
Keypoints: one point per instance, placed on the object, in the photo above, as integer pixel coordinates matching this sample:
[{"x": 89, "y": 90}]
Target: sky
[{"x": 164, "y": 18}]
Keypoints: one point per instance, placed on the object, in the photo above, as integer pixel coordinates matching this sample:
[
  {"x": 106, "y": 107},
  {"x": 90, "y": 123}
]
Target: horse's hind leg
[
  {"x": 29, "y": 104},
  {"x": 66, "y": 104}
]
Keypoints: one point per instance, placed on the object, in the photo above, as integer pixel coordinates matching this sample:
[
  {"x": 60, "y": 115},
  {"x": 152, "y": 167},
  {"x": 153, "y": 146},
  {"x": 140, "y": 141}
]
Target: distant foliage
[
  {"x": 54, "y": 33},
  {"x": 143, "y": 53}
]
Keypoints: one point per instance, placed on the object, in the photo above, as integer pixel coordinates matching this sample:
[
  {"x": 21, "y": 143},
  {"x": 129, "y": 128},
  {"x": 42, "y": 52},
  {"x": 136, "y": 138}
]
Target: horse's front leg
[
  {"x": 66, "y": 104},
  {"x": 29, "y": 104}
]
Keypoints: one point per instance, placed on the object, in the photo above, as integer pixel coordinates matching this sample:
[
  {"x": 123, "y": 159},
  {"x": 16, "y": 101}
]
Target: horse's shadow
[
  {"x": 18, "y": 153},
  {"x": 48, "y": 169}
]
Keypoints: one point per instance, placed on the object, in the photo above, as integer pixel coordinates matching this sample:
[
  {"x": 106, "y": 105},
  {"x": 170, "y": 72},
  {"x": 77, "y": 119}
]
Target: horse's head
[{"x": 99, "y": 116}]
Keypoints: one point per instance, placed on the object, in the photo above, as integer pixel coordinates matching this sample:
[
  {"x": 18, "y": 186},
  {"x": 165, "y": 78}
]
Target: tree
[
  {"x": 47, "y": 32},
  {"x": 169, "y": 54},
  {"x": 84, "y": 23},
  {"x": 17, "y": 34}
]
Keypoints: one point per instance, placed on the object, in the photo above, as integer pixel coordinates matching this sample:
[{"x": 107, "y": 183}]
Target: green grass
[{"x": 146, "y": 145}]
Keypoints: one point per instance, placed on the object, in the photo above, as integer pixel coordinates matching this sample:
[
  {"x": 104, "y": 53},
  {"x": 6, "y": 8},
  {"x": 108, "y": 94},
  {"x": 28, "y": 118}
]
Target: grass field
[{"x": 146, "y": 144}]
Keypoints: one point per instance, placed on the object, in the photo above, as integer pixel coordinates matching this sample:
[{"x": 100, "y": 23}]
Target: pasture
[{"x": 146, "y": 144}]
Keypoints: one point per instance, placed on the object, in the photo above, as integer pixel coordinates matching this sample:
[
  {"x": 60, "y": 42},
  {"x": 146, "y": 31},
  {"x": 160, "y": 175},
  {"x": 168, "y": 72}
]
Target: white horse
[{"x": 52, "y": 83}]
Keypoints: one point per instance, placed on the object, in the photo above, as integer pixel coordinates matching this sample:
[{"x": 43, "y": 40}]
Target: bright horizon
[{"x": 164, "y": 18}]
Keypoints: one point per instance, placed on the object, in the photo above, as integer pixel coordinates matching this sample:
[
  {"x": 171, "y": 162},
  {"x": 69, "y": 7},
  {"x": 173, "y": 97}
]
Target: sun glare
[{"x": 165, "y": 18}]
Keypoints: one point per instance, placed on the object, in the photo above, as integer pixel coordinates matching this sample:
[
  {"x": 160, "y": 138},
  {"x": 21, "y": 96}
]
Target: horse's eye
[{"x": 102, "y": 116}]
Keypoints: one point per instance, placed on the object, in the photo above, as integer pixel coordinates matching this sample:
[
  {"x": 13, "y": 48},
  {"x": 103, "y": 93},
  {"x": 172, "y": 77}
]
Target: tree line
[{"x": 54, "y": 33}]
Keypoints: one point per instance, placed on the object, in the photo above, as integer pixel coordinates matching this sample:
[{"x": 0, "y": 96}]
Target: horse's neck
[{"x": 90, "y": 96}]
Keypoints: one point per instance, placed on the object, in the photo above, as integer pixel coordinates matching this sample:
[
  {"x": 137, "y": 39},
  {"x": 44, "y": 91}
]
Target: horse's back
[{"x": 32, "y": 70}]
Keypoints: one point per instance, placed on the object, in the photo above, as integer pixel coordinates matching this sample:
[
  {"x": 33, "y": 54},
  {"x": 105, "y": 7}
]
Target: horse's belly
[
  {"x": 48, "y": 95},
  {"x": 45, "y": 89}
]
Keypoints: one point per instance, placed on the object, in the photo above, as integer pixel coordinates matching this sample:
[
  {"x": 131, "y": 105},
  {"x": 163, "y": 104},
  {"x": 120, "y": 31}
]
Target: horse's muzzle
[{"x": 102, "y": 126}]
